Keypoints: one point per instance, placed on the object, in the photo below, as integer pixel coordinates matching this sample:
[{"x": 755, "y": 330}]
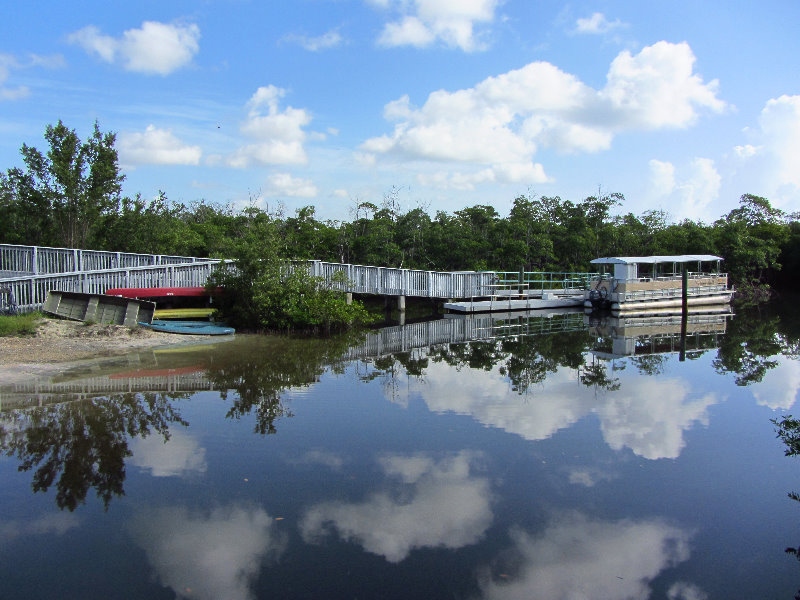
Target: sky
[{"x": 681, "y": 106}]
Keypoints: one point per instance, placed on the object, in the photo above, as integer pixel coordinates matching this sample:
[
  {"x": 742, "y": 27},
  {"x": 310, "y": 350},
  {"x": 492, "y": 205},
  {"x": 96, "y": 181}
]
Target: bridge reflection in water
[{"x": 187, "y": 369}]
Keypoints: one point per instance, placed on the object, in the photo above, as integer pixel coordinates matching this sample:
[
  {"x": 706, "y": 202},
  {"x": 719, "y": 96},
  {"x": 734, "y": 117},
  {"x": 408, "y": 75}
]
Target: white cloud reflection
[
  {"x": 647, "y": 415},
  {"x": 778, "y": 389},
  {"x": 438, "y": 504},
  {"x": 179, "y": 456},
  {"x": 579, "y": 557},
  {"x": 52, "y": 524},
  {"x": 208, "y": 555}
]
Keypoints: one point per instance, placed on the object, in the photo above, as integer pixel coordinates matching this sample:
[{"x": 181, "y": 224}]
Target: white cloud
[
  {"x": 283, "y": 184},
  {"x": 577, "y": 557},
  {"x": 423, "y": 22},
  {"x": 501, "y": 123},
  {"x": 439, "y": 504},
  {"x": 329, "y": 39},
  {"x": 156, "y": 147},
  {"x": 278, "y": 135},
  {"x": 180, "y": 455},
  {"x": 690, "y": 197},
  {"x": 780, "y": 126},
  {"x": 658, "y": 88},
  {"x": 208, "y": 555},
  {"x": 747, "y": 150},
  {"x": 9, "y": 63},
  {"x": 597, "y": 23},
  {"x": 155, "y": 48}
]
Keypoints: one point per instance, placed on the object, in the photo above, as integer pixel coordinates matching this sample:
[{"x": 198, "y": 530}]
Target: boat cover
[{"x": 680, "y": 258}]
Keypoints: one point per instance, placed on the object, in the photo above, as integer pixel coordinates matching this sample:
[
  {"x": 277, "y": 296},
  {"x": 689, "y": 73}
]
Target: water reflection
[
  {"x": 580, "y": 557},
  {"x": 83, "y": 445},
  {"x": 428, "y": 503},
  {"x": 177, "y": 456},
  {"x": 208, "y": 554}
]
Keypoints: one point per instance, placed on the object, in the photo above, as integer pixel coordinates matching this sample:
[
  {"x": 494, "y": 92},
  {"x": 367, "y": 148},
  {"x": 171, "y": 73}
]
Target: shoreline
[{"x": 59, "y": 346}]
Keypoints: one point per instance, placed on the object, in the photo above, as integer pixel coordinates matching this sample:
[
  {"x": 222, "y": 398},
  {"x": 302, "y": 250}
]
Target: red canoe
[{"x": 157, "y": 292}]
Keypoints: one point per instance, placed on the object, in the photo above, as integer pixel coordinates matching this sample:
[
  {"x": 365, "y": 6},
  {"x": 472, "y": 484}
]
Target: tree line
[{"x": 70, "y": 196}]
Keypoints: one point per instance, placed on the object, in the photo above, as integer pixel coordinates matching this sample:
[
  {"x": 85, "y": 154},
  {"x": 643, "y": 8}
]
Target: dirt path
[{"x": 59, "y": 345}]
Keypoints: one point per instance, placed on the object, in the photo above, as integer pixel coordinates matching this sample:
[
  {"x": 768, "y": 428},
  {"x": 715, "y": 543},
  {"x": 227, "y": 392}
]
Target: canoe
[
  {"x": 182, "y": 313},
  {"x": 189, "y": 327},
  {"x": 159, "y": 292}
]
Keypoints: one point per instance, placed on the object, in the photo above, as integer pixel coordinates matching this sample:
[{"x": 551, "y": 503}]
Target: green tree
[
  {"x": 750, "y": 239},
  {"x": 262, "y": 291},
  {"x": 69, "y": 189}
]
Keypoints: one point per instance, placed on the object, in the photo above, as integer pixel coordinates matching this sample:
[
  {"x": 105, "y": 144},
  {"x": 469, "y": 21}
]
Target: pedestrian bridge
[{"x": 27, "y": 273}]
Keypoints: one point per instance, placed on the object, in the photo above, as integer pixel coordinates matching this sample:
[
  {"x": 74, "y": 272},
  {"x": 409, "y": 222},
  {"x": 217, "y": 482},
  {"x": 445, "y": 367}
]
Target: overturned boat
[
  {"x": 647, "y": 285},
  {"x": 98, "y": 308}
]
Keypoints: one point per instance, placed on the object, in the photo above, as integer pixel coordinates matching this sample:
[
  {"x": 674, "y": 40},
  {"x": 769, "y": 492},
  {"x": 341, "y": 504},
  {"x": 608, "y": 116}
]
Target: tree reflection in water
[
  {"x": 83, "y": 444},
  {"x": 788, "y": 431},
  {"x": 253, "y": 381}
]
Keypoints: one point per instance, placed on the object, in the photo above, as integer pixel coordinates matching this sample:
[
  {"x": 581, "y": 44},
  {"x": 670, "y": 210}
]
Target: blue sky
[{"x": 681, "y": 106}]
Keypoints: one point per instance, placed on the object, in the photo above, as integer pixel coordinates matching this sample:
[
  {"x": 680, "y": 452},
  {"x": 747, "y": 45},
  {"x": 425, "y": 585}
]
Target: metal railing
[
  {"x": 17, "y": 261},
  {"x": 30, "y": 292},
  {"x": 543, "y": 281},
  {"x": 387, "y": 281}
]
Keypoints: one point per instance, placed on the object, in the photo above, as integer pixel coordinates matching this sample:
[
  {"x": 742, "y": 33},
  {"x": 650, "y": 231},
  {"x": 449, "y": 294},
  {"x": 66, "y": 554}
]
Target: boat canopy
[{"x": 639, "y": 260}]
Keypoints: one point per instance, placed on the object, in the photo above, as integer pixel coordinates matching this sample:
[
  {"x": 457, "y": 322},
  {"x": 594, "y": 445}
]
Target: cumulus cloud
[
  {"x": 434, "y": 504},
  {"x": 153, "y": 49},
  {"x": 178, "y": 544},
  {"x": 780, "y": 124},
  {"x": 579, "y": 557},
  {"x": 156, "y": 147},
  {"x": 692, "y": 196},
  {"x": 277, "y": 133},
  {"x": 283, "y": 184},
  {"x": 597, "y": 23},
  {"x": 503, "y": 121},
  {"x": 424, "y": 22},
  {"x": 180, "y": 455}
]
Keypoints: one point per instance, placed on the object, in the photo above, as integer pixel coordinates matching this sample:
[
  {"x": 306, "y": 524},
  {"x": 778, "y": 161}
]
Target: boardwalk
[{"x": 29, "y": 272}]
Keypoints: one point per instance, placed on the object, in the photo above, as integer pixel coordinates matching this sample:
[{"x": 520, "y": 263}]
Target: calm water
[{"x": 553, "y": 458}]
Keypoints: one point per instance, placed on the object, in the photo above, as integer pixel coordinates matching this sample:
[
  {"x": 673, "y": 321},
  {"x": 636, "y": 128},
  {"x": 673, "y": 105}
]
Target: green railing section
[{"x": 521, "y": 281}]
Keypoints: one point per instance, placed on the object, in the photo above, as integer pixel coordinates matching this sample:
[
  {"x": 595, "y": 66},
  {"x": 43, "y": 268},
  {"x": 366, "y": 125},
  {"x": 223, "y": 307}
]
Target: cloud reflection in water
[
  {"x": 437, "y": 504},
  {"x": 210, "y": 555},
  {"x": 579, "y": 557}
]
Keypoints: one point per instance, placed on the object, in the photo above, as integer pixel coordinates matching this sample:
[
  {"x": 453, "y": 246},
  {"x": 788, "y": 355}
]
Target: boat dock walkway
[{"x": 27, "y": 273}]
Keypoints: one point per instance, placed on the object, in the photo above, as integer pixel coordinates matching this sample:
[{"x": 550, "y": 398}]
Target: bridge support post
[
  {"x": 348, "y": 297},
  {"x": 401, "y": 304}
]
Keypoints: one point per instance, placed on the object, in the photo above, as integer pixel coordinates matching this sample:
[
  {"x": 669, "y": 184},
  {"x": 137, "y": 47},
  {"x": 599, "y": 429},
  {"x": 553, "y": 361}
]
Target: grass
[{"x": 19, "y": 325}]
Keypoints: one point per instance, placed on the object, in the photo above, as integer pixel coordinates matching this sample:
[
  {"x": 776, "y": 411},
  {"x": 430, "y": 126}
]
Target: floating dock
[{"x": 510, "y": 302}]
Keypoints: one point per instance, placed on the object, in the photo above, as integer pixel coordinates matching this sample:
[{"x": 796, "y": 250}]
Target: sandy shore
[{"x": 59, "y": 345}]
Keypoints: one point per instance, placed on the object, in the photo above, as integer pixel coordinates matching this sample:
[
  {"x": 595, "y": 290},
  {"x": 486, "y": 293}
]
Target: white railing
[
  {"x": 386, "y": 281},
  {"x": 29, "y": 292},
  {"x": 17, "y": 261}
]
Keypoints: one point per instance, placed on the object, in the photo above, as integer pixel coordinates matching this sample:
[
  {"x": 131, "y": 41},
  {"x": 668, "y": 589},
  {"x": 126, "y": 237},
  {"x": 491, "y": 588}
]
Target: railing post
[{"x": 35, "y": 260}]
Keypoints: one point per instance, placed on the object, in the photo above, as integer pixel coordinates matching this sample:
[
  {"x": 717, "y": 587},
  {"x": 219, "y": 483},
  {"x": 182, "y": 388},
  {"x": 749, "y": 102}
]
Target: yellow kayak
[{"x": 182, "y": 313}]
